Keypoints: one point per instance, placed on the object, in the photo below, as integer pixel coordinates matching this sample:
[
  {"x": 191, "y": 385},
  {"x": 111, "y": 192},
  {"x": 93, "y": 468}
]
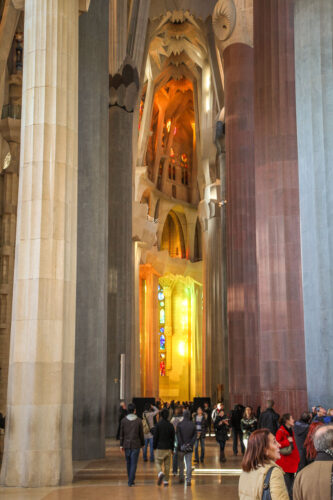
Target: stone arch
[
  {"x": 146, "y": 199},
  {"x": 173, "y": 238}
]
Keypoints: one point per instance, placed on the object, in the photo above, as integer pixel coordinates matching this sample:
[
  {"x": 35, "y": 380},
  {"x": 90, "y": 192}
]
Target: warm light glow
[
  {"x": 182, "y": 348},
  {"x": 168, "y": 125},
  {"x": 207, "y": 104},
  {"x": 208, "y": 81},
  {"x": 175, "y": 131}
]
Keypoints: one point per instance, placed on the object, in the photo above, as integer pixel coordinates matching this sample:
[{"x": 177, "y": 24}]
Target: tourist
[
  {"x": 122, "y": 412},
  {"x": 289, "y": 453},
  {"x": 260, "y": 456},
  {"x": 301, "y": 429},
  {"x": 269, "y": 419},
  {"x": 249, "y": 424},
  {"x": 235, "y": 422},
  {"x": 322, "y": 415},
  {"x": 148, "y": 428},
  {"x": 164, "y": 439},
  {"x": 186, "y": 437},
  {"x": 175, "y": 421},
  {"x": 314, "y": 481},
  {"x": 200, "y": 420},
  {"x": 216, "y": 410},
  {"x": 221, "y": 426},
  {"x": 310, "y": 450},
  {"x": 131, "y": 440}
]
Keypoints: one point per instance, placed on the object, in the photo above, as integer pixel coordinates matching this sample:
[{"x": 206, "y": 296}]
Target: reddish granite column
[
  {"x": 241, "y": 232},
  {"x": 281, "y": 331}
]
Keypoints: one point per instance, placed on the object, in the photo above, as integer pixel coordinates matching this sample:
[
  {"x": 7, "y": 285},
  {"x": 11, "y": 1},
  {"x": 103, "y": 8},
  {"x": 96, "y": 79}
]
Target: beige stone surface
[{"x": 40, "y": 393}]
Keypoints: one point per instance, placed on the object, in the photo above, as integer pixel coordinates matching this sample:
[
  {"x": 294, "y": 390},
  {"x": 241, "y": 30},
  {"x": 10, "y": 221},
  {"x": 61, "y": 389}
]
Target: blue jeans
[
  {"x": 187, "y": 458},
  {"x": 196, "y": 449},
  {"x": 150, "y": 442},
  {"x": 132, "y": 457}
]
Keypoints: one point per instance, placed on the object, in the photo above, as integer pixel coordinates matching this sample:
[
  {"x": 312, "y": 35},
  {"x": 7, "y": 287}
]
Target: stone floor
[{"x": 106, "y": 479}]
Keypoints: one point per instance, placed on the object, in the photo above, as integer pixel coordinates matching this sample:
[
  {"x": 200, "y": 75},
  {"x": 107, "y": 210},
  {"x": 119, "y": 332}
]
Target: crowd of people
[{"x": 275, "y": 449}]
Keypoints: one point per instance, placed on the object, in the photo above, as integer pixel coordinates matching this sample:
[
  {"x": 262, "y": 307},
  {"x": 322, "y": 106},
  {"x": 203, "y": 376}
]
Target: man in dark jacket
[
  {"x": 131, "y": 440},
  {"x": 164, "y": 438},
  {"x": 269, "y": 419},
  {"x": 235, "y": 422},
  {"x": 186, "y": 437},
  {"x": 301, "y": 429}
]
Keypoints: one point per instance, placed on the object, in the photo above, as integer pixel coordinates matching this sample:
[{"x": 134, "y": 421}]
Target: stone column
[
  {"x": 126, "y": 42},
  {"x": 314, "y": 105},
  {"x": 92, "y": 258},
  {"x": 281, "y": 328},
  {"x": 38, "y": 442},
  {"x": 236, "y": 48}
]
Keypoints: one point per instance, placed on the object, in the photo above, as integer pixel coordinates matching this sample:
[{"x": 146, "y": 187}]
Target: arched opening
[
  {"x": 198, "y": 242},
  {"x": 173, "y": 237}
]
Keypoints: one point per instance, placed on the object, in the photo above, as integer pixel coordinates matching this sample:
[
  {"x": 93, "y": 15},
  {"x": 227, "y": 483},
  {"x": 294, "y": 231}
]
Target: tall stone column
[
  {"x": 281, "y": 328},
  {"x": 38, "y": 441},
  {"x": 314, "y": 105},
  {"x": 92, "y": 258},
  {"x": 236, "y": 48},
  {"x": 126, "y": 42}
]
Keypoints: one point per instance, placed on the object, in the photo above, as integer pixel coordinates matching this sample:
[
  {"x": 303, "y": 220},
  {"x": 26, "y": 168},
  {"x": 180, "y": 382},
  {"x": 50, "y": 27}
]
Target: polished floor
[{"x": 106, "y": 479}]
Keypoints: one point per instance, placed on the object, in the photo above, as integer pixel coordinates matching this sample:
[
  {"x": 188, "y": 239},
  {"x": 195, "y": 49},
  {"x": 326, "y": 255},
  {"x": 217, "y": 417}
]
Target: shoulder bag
[
  {"x": 287, "y": 450},
  {"x": 266, "y": 494}
]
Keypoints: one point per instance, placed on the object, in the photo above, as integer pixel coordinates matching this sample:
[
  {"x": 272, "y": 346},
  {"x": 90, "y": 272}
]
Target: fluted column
[
  {"x": 236, "y": 47},
  {"x": 314, "y": 105},
  {"x": 281, "y": 329},
  {"x": 38, "y": 442},
  {"x": 92, "y": 259},
  {"x": 127, "y": 35}
]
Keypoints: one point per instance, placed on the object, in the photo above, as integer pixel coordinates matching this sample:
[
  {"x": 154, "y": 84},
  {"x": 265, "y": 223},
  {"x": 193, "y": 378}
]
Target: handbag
[
  {"x": 287, "y": 450},
  {"x": 266, "y": 494}
]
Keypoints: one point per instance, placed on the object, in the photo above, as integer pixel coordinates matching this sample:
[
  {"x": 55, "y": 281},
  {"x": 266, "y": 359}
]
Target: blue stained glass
[
  {"x": 160, "y": 296},
  {"x": 162, "y": 316},
  {"x": 162, "y": 342},
  {"x": 162, "y": 329},
  {"x": 159, "y": 287}
]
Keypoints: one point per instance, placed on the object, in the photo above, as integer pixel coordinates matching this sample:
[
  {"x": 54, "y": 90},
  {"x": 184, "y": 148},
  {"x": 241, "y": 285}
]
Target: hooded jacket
[
  {"x": 131, "y": 432},
  {"x": 186, "y": 431}
]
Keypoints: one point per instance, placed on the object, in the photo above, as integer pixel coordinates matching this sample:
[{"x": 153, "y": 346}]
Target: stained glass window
[
  {"x": 162, "y": 339},
  {"x": 162, "y": 342},
  {"x": 160, "y": 296},
  {"x": 162, "y": 316}
]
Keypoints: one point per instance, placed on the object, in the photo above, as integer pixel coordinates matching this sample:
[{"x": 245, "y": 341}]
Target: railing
[{"x": 11, "y": 111}]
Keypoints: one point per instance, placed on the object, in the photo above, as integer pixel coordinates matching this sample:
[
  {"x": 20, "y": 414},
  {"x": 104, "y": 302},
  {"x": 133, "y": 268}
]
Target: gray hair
[{"x": 323, "y": 438}]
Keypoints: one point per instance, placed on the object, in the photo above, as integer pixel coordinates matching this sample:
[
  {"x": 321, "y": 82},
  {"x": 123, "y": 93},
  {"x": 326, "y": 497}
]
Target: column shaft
[
  {"x": 92, "y": 259},
  {"x": 314, "y": 99},
  {"x": 38, "y": 442},
  {"x": 281, "y": 329},
  {"x": 241, "y": 225}
]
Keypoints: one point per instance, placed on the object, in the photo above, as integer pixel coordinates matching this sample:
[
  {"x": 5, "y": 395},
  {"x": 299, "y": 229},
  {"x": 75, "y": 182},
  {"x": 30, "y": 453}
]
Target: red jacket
[{"x": 289, "y": 463}]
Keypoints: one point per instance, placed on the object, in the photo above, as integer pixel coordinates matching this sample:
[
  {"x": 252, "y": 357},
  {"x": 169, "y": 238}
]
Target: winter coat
[
  {"x": 248, "y": 425},
  {"x": 236, "y": 417},
  {"x": 164, "y": 435},
  {"x": 314, "y": 481},
  {"x": 131, "y": 432},
  {"x": 289, "y": 463},
  {"x": 251, "y": 484},
  {"x": 221, "y": 431},
  {"x": 300, "y": 431},
  {"x": 269, "y": 419},
  {"x": 186, "y": 431}
]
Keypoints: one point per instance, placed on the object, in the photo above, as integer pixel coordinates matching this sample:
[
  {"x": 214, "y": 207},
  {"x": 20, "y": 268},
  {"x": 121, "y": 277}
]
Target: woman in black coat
[{"x": 221, "y": 426}]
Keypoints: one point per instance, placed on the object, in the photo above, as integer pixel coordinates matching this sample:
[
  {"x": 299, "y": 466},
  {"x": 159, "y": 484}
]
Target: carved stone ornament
[
  {"x": 224, "y": 19},
  {"x": 124, "y": 88},
  {"x": 83, "y": 5}
]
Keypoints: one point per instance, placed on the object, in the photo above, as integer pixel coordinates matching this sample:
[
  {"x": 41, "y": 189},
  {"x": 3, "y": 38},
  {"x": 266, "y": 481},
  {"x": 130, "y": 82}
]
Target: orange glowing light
[
  {"x": 168, "y": 125},
  {"x": 172, "y": 153},
  {"x": 175, "y": 131}
]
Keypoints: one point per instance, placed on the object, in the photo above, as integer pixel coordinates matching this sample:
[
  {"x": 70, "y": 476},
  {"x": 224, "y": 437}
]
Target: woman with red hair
[
  {"x": 310, "y": 450},
  {"x": 259, "y": 460}
]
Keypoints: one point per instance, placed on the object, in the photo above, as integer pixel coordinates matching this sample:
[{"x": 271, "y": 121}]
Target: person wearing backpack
[
  {"x": 148, "y": 428},
  {"x": 261, "y": 478},
  {"x": 186, "y": 437}
]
